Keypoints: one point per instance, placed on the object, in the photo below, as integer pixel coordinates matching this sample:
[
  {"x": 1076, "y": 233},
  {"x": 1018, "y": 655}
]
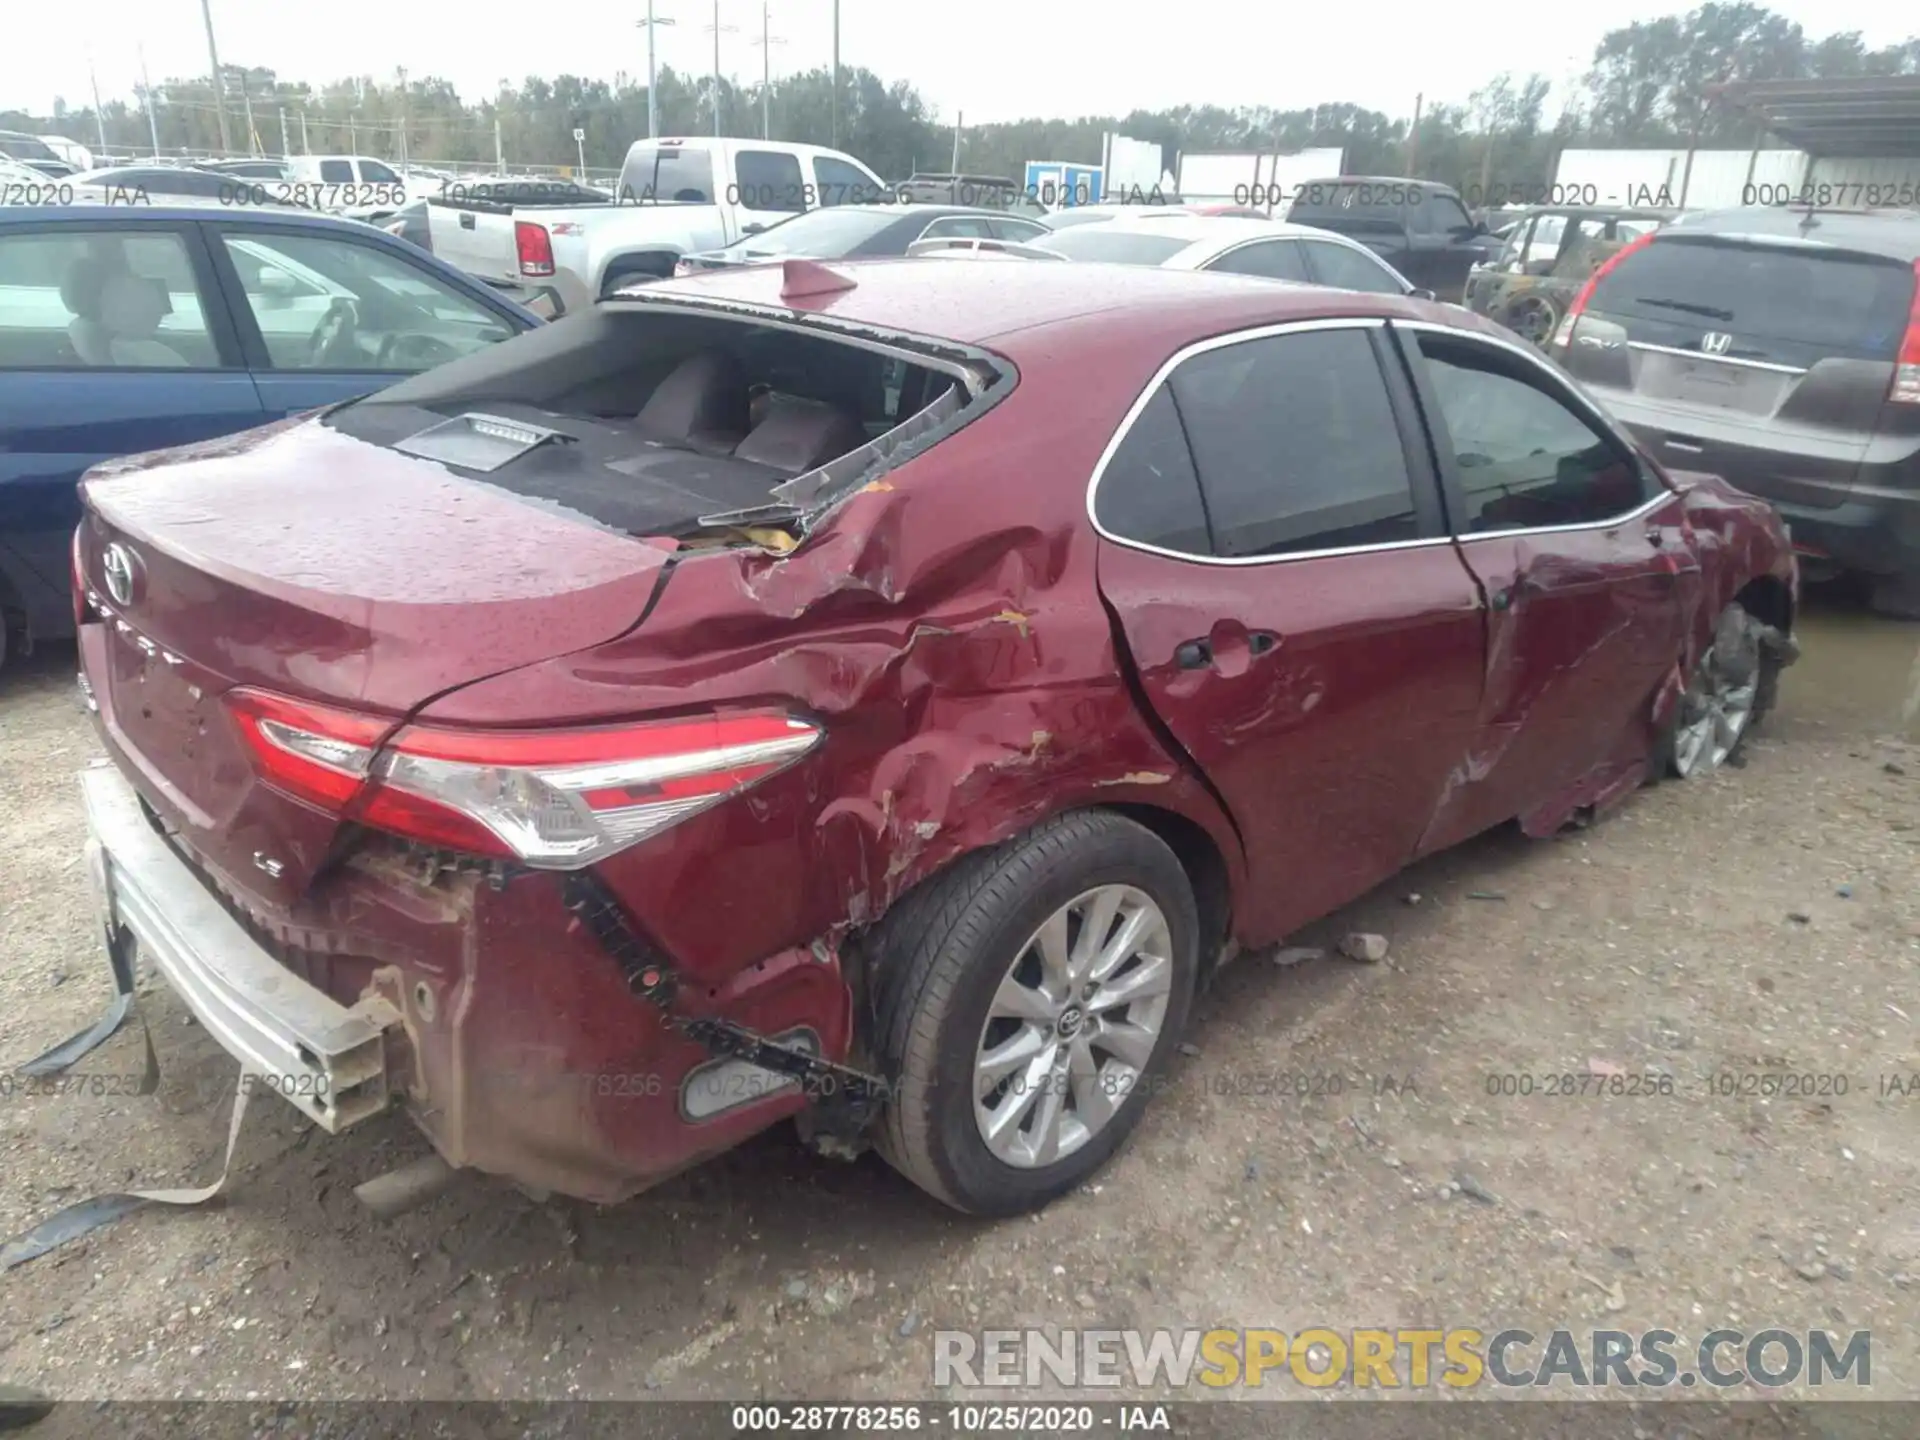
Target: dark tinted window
[
  {"x": 1116, "y": 247},
  {"x": 958, "y": 227},
  {"x": 1776, "y": 301},
  {"x": 165, "y": 180},
  {"x": 666, "y": 172},
  {"x": 1148, "y": 491},
  {"x": 842, "y": 184},
  {"x": 1362, "y": 200},
  {"x": 376, "y": 173},
  {"x": 26, "y": 147},
  {"x": 1350, "y": 270},
  {"x": 1526, "y": 459},
  {"x": 1296, "y": 444},
  {"x": 1446, "y": 213},
  {"x": 769, "y": 180},
  {"x": 1275, "y": 259},
  {"x": 336, "y": 172},
  {"x": 1023, "y": 231}
]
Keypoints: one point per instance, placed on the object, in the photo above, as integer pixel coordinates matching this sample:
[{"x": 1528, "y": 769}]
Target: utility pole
[
  {"x": 653, "y": 97},
  {"x": 958, "y": 116},
  {"x": 286, "y": 146},
  {"x": 717, "y": 28},
  {"x": 146, "y": 89},
  {"x": 305, "y": 148},
  {"x": 99, "y": 119},
  {"x": 766, "y": 43},
  {"x": 1413, "y": 139},
  {"x": 213, "y": 60},
  {"x": 246, "y": 100},
  {"x": 499, "y": 150},
  {"x": 835, "y": 142},
  {"x": 401, "y": 71}
]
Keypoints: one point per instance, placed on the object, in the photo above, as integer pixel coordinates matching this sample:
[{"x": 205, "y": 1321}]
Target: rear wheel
[
  {"x": 1028, "y": 998},
  {"x": 1532, "y": 318}
]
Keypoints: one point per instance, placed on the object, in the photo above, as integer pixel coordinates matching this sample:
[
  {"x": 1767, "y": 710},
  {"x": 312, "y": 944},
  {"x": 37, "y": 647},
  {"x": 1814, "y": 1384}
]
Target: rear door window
[
  {"x": 336, "y": 172},
  {"x": 1743, "y": 300},
  {"x": 1348, "y": 269},
  {"x": 1149, "y": 492},
  {"x": 101, "y": 299},
  {"x": 1296, "y": 444},
  {"x": 666, "y": 172},
  {"x": 769, "y": 180},
  {"x": 1273, "y": 259}
]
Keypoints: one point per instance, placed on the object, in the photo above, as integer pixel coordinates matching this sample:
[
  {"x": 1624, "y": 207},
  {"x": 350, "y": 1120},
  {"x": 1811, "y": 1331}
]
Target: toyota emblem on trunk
[
  {"x": 1715, "y": 342},
  {"x": 118, "y": 563}
]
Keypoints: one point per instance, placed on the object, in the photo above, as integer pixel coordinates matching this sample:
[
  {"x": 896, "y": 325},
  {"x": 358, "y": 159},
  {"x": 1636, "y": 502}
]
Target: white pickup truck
[{"x": 675, "y": 196}]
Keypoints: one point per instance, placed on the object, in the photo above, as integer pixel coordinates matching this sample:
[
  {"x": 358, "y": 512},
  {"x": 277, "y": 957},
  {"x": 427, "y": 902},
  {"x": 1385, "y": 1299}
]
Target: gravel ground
[{"x": 1764, "y": 922}]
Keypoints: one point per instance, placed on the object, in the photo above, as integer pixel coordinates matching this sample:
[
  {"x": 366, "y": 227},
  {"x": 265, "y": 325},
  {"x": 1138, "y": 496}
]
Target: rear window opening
[
  {"x": 662, "y": 420},
  {"x": 1792, "y": 304}
]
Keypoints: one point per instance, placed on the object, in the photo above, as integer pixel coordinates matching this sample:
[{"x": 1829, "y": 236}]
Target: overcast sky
[{"x": 985, "y": 59}]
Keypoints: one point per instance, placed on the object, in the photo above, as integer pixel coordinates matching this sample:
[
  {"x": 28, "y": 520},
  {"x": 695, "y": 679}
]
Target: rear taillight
[
  {"x": 535, "y": 247},
  {"x": 1906, "y": 371},
  {"x": 553, "y": 799},
  {"x": 1563, "y": 336}
]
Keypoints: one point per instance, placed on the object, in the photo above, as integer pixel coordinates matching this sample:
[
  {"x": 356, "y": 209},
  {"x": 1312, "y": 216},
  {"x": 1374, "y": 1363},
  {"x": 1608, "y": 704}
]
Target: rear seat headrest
[
  {"x": 702, "y": 401},
  {"x": 799, "y": 435}
]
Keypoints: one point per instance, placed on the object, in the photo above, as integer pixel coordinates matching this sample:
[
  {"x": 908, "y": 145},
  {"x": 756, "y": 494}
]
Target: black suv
[
  {"x": 1419, "y": 227},
  {"x": 1779, "y": 349}
]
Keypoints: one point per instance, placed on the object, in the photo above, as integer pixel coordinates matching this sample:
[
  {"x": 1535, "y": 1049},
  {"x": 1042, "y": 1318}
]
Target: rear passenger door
[
  {"x": 1584, "y": 558},
  {"x": 88, "y": 374},
  {"x": 1272, "y": 544}
]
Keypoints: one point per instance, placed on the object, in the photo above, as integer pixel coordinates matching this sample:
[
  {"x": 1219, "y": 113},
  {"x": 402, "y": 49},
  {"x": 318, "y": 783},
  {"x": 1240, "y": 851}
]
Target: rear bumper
[
  {"x": 1876, "y": 536},
  {"x": 507, "y": 1035},
  {"x": 328, "y": 1060}
]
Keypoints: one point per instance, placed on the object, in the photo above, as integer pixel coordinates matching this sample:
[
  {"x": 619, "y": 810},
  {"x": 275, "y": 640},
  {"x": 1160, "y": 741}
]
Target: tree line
[{"x": 1647, "y": 86}]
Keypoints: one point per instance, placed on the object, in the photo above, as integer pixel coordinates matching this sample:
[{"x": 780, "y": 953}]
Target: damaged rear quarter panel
[
  {"x": 944, "y": 626},
  {"x": 1739, "y": 539}
]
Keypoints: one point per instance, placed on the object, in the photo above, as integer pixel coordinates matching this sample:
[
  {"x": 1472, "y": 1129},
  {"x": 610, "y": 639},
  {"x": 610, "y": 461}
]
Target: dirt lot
[{"x": 1766, "y": 920}]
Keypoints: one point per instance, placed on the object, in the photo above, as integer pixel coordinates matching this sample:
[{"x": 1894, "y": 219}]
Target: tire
[
  {"x": 1739, "y": 661},
  {"x": 943, "y": 955},
  {"x": 1897, "y": 596},
  {"x": 632, "y": 270}
]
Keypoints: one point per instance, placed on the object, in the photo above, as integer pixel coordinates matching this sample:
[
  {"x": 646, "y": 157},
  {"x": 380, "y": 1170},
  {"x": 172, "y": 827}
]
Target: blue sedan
[{"x": 131, "y": 327}]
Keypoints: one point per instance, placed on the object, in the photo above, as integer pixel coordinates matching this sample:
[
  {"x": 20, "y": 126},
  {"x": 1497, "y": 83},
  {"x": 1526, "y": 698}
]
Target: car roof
[
  {"x": 1022, "y": 309},
  {"x": 1223, "y": 229},
  {"x": 1400, "y": 180},
  {"x": 1894, "y": 234}
]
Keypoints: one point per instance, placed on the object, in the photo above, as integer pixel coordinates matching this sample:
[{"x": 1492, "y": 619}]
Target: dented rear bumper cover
[{"x": 329, "y": 1060}]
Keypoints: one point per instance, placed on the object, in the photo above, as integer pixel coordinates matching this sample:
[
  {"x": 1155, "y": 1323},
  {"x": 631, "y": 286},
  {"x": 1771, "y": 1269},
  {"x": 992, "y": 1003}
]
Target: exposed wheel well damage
[
  {"x": 1206, "y": 871},
  {"x": 1767, "y": 599}
]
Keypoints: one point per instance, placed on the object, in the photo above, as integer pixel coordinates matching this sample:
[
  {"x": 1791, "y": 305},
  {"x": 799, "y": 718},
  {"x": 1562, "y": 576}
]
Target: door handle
[{"x": 1193, "y": 654}]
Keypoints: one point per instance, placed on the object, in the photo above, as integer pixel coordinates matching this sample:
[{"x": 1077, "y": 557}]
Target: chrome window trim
[
  {"x": 1717, "y": 359},
  {"x": 1574, "y": 400},
  {"x": 1160, "y": 377}
]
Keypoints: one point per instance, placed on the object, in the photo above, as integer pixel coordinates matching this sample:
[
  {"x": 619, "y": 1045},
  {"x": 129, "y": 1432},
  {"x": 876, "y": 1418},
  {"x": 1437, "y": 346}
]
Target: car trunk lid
[
  {"x": 1764, "y": 358},
  {"x": 299, "y": 560}
]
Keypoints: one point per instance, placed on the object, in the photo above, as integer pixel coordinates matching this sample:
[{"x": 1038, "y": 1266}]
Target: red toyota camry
[{"x": 875, "y": 695}]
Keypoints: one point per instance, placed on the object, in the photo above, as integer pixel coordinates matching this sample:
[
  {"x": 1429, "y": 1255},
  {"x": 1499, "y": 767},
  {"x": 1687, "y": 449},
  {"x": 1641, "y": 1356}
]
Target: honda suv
[{"x": 1781, "y": 350}]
